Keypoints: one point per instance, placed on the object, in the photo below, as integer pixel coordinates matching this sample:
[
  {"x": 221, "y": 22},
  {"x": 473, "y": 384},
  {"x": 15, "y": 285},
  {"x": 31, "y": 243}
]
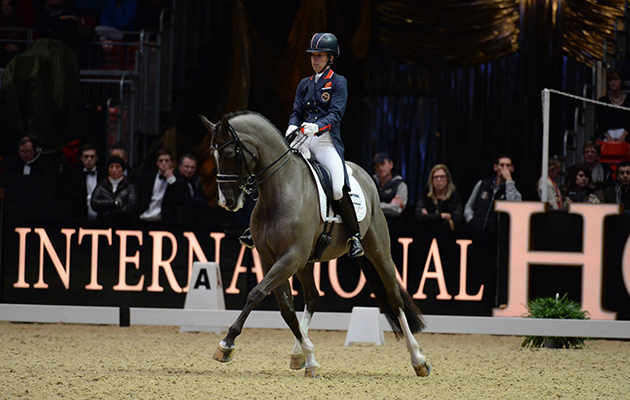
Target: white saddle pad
[{"x": 356, "y": 194}]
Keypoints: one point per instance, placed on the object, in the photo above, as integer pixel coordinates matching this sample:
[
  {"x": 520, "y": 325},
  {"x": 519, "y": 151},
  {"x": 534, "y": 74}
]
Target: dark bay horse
[{"x": 251, "y": 153}]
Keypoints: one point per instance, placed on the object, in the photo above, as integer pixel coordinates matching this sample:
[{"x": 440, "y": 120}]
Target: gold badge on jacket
[{"x": 325, "y": 96}]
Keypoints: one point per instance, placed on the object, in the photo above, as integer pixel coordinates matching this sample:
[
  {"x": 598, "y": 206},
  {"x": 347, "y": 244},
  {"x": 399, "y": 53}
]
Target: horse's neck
[{"x": 284, "y": 183}]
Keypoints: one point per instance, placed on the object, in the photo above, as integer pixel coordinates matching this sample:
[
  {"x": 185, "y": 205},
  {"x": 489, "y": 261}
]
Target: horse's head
[{"x": 234, "y": 162}]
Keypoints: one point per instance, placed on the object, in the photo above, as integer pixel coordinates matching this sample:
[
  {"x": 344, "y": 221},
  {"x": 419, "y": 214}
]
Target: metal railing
[{"x": 122, "y": 75}]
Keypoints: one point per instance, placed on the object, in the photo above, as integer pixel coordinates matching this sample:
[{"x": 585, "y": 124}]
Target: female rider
[{"x": 319, "y": 105}]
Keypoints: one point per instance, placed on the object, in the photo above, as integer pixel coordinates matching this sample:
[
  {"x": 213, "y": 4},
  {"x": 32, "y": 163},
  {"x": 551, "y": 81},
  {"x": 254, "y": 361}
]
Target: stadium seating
[{"x": 614, "y": 152}]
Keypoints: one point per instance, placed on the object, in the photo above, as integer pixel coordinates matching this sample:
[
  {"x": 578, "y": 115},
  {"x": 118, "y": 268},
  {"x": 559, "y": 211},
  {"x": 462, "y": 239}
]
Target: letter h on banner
[{"x": 590, "y": 259}]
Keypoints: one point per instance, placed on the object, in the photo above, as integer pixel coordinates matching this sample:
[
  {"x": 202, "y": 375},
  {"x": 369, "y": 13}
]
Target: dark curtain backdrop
[{"x": 456, "y": 82}]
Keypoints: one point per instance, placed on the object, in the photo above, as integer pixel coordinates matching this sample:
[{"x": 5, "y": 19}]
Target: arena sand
[{"x": 44, "y": 361}]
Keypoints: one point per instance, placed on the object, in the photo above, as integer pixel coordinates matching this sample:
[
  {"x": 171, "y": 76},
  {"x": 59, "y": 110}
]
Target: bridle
[{"x": 249, "y": 182}]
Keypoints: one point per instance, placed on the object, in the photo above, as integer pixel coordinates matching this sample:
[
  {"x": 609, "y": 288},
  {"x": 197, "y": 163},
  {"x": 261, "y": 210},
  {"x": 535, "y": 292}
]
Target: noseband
[{"x": 248, "y": 183}]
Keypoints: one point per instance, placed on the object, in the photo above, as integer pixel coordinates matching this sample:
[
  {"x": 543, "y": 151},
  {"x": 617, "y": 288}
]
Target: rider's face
[{"x": 319, "y": 61}]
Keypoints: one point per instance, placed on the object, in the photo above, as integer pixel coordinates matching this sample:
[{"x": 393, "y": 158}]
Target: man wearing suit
[
  {"x": 31, "y": 161},
  {"x": 186, "y": 193},
  {"x": 153, "y": 187},
  {"x": 83, "y": 180}
]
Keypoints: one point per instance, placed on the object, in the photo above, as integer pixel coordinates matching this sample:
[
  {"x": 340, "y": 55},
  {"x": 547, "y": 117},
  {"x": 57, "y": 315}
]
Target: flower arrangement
[{"x": 555, "y": 308}]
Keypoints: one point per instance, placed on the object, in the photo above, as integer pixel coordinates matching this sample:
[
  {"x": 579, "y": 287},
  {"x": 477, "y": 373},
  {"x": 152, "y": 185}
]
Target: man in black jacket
[
  {"x": 619, "y": 193},
  {"x": 83, "y": 181},
  {"x": 186, "y": 195},
  {"x": 153, "y": 187},
  {"x": 479, "y": 211}
]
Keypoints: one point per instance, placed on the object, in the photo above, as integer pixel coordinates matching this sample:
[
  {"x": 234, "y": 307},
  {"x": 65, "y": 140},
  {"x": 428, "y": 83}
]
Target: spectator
[
  {"x": 619, "y": 193},
  {"x": 479, "y": 211},
  {"x": 601, "y": 174},
  {"x": 153, "y": 187},
  {"x": 187, "y": 192},
  {"x": 579, "y": 188},
  {"x": 10, "y": 35},
  {"x": 613, "y": 124},
  {"x": 30, "y": 160},
  {"x": 119, "y": 149},
  {"x": 392, "y": 190},
  {"x": 440, "y": 206},
  {"x": 83, "y": 181},
  {"x": 115, "y": 198},
  {"x": 554, "y": 197}
]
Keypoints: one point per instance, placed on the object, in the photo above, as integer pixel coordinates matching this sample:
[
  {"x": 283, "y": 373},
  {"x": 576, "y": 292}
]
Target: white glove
[
  {"x": 309, "y": 129},
  {"x": 290, "y": 130}
]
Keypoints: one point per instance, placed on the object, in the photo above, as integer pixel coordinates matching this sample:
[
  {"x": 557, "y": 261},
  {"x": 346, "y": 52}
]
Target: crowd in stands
[
  {"x": 113, "y": 190},
  {"x": 172, "y": 187},
  {"x": 74, "y": 22}
]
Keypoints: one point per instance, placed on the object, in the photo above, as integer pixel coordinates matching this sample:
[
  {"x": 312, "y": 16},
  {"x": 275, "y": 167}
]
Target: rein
[{"x": 248, "y": 184}]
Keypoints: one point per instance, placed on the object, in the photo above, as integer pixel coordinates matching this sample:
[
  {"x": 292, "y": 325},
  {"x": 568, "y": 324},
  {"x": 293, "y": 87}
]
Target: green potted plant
[{"x": 556, "y": 308}]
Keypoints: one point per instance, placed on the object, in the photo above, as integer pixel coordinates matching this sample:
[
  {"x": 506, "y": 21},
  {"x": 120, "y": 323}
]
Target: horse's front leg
[
  {"x": 311, "y": 298},
  {"x": 305, "y": 349},
  {"x": 281, "y": 271}
]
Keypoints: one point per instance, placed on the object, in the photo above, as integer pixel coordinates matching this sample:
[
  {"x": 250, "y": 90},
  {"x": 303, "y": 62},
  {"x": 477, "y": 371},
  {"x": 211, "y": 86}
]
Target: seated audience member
[
  {"x": 30, "y": 160},
  {"x": 579, "y": 188},
  {"x": 153, "y": 187},
  {"x": 115, "y": 197},
  {"x": 83, "y": 181},
  {"x": 601, "y": 173},
  {"x": 619, "y": 193},
  {"x": 187, "y": 192},
  {"x": 554, "y": 197},
  {"x": 613, "y": 124},
  {"x": 392, "y": 190},
  {"x": 440, "y": 206},
  {"x": 479, "y": 210}
]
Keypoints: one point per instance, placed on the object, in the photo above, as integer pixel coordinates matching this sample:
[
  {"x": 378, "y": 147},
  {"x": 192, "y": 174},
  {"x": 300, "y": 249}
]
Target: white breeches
[{"x": 325, "y": 152}]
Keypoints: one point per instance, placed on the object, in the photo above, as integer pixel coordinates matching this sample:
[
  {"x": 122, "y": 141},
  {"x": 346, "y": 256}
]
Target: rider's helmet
[{"x": 324, "y": 42}]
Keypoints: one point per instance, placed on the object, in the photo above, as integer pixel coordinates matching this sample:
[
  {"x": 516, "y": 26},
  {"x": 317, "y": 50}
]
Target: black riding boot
[
  {"x": 246, "y": 239},
  {"x": 349, "y": 217}
]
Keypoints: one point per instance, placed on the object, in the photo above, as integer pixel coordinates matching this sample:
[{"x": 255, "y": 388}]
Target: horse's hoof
[
  {"x": 223, "y": 355},
  {"x": 423, "y": 369},
  {"x": 313, "y": 372},
  {"x": 298, "y": 361}
]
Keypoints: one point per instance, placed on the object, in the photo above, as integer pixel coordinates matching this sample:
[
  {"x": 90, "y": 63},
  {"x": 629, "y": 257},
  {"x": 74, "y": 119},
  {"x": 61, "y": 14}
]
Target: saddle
[{"x": 324, "y": 189}]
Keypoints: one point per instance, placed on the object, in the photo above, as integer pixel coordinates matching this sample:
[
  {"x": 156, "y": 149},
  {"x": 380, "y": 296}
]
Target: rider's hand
[
  {"x": 309, "y": 129},
  {"x": 290, "y": 130}
]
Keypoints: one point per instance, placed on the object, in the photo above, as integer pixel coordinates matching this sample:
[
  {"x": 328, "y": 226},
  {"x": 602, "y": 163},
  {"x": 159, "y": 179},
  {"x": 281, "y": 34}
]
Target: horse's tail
[{"x": 412, "y": 312}]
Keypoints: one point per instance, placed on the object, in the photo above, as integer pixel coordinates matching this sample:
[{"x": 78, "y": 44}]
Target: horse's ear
[
  {"x": 225, "y": 123},
  {"x": 209, "y": 125}
]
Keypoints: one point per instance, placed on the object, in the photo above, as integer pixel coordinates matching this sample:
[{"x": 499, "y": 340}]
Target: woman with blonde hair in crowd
[
  {"x": 554, "y": 197},
  {"x": 440, "y": 206}
]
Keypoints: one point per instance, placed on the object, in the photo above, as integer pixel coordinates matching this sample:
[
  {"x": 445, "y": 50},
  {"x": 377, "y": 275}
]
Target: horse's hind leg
[
  {"x": 311, "y": 298},
  {"x": 400, "y": 309},
  {"x": 287, "y": 310},
  {"x": 419, "y": 362}
]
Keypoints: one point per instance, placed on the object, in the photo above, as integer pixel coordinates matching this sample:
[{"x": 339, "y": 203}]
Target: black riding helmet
[{"x": 324, "y": 42}]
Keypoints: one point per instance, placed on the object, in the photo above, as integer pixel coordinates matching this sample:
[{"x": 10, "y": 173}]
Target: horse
[{"x": 251, "y": 154}]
